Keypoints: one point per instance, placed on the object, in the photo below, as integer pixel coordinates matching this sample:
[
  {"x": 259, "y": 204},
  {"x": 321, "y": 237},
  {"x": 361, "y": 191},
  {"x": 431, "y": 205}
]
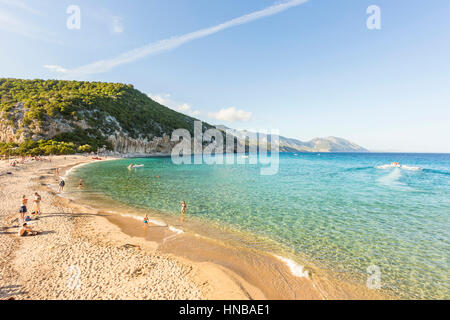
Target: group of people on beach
[
  {"x": 24, "y": 159},
  {"x": 25, "y": 229},
  {"x": 25, "y": 218}
]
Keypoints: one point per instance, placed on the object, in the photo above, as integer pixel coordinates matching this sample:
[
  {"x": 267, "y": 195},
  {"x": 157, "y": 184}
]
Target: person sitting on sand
[
  {"x": 37, "y": 204},
  {"x": 23, "y": 207},
  {"x": 62, "y": 183},
  {"x": 27, "y": 231}
]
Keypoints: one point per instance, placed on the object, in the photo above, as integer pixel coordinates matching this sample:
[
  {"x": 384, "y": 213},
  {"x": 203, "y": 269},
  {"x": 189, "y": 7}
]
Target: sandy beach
[{"x": 84, "y": 253}]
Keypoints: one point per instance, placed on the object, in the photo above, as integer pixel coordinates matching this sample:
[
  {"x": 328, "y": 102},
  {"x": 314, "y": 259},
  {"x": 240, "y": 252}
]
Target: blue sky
[{"x": 310, "y": 70}]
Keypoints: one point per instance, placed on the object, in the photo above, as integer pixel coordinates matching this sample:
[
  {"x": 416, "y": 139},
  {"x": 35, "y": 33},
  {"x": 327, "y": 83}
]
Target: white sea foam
[
  {"x": 158, "y": 223},
  {"x": 405, "y": 167},
  {"x": 296, "y": 269},
  {"x": 74, "y": 167},
  {"x": 153, "y": 221},
  {"x": 81, "y": 165},
  {"x": 141, "y": 218},
  {"x": 385, "y": 166},
  {"x": 411, "y": 168},
  {"x": 175, "y": 230}
]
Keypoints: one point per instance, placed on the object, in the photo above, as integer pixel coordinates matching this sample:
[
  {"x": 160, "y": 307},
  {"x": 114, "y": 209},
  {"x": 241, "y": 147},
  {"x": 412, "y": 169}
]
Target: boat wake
[
  {"x": 392, "y": 179},
  {"x": 404, "y": 167}
]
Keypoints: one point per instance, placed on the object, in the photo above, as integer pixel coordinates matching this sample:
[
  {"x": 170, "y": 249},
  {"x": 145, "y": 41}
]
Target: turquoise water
[{"x": 344, "y": 212}]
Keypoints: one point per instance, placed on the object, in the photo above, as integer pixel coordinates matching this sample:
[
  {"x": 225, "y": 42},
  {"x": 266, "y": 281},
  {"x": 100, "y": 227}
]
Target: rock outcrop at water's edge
[{"x": 126, "y": 145}]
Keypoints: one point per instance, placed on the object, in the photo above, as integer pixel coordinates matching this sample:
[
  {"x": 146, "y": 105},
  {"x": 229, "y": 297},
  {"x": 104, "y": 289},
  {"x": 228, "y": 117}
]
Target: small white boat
[{"x": 137, "y": 166}]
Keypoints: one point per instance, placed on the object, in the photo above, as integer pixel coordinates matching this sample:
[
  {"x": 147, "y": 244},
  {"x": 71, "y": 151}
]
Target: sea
[{"x": 355, "y": 214}]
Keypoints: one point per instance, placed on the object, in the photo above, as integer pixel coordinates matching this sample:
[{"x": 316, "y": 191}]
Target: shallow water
[{"x": 344, "y": 212}]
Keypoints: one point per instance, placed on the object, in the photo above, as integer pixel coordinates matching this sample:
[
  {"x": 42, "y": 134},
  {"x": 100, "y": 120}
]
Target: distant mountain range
[{"x": 329, "y": 144}]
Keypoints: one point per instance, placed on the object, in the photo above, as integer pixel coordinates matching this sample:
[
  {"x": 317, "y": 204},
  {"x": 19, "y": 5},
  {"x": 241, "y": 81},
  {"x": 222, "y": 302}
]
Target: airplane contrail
[{"x": 174, "y": 42}]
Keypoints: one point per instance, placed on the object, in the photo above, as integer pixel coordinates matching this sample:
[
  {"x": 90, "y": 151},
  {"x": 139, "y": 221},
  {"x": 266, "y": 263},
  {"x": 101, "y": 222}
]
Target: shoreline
[
  {"x": 215, "y": 271},
  {"x": 286, "y": 275}
]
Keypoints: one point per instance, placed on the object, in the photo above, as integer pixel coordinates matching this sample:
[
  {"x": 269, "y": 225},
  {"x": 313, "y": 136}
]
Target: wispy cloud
[
  {"x": 55, "y": 68},
  {"x": 166, "y": 100},
  {"x": 174, "y": 42},
  {"x": 12, "y": 24},
  {"x": 231, "y": 115},
  {"x": 19, "y": 5}
]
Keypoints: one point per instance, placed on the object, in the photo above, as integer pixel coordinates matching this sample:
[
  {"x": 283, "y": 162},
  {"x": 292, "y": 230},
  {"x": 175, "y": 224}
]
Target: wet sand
[{"x": 260, "y": 275}]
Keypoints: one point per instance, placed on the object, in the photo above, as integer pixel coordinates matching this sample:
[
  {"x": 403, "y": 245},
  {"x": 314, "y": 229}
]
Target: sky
[{"x": 305, "y": 68}]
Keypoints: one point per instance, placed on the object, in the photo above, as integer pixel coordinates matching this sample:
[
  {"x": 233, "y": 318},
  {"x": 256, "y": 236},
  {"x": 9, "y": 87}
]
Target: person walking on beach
[
  {"x": 62, "y": 183},
  {"x": 37, "y": 204},
  {"x": 23, "y": 207},
  {"x": 146, "y": 220},
  {"x": 183, "y": 210}
]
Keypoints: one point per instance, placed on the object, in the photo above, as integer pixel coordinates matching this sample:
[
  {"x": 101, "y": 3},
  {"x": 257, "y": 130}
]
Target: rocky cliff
[{"x": 109, "y": 116}]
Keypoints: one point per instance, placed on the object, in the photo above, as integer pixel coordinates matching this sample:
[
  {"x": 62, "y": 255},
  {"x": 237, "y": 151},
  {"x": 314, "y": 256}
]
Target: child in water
[{"x": 146, "y": 219}]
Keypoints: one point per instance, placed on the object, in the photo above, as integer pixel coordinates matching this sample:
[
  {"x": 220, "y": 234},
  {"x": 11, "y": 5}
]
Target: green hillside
[{"x": 91, "y": 110}]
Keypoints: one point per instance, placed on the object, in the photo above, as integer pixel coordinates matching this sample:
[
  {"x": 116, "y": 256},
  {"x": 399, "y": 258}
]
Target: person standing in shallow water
[
  {"x": 183, "y": 210},
  {"x": 80, "y": 184},
  {"x": 61, "y": 186}
]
